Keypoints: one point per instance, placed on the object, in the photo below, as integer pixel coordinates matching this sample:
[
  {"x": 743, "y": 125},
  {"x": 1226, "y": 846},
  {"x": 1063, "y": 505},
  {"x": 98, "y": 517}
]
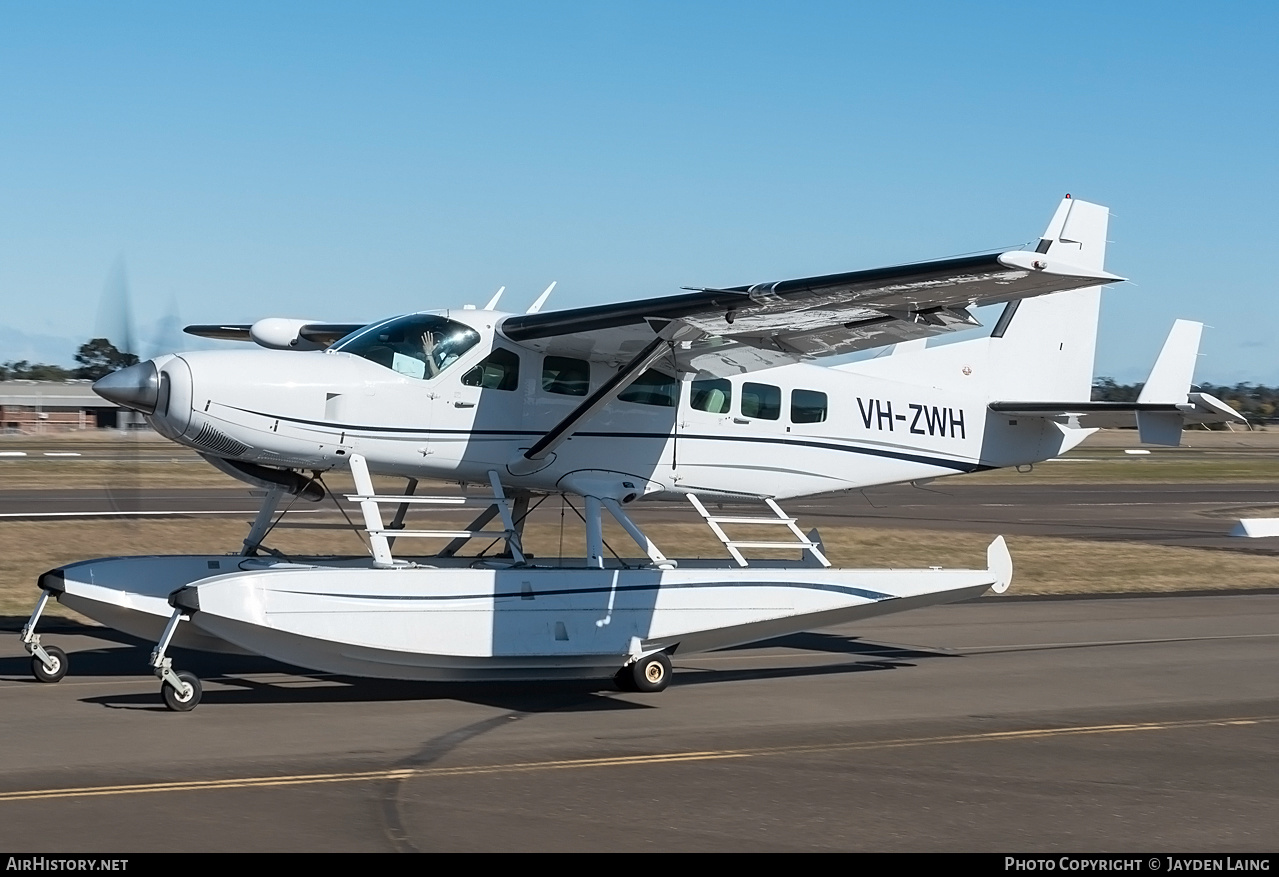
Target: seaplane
[{"x": 712, "y": 396}]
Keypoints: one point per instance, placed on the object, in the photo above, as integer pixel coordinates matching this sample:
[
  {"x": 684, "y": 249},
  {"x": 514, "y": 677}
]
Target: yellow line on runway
[{"x": 619, "y": 761}]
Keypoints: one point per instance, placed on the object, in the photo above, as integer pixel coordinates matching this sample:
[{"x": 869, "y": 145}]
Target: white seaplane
[{"x": 711, "y": 395}]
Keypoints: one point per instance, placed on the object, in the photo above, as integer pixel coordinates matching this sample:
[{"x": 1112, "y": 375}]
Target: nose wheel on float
[
  {"x": 181, "y": 690},
  {"x": 48, "y": 663},
  {"x": 184, "y": 699}
]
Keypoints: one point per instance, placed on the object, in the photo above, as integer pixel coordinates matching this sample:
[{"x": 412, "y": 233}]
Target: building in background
[{"x": 47, "y": 407}]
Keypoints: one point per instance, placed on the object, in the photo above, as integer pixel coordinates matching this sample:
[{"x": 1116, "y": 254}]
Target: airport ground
[
  {"x": 1102, "y": 721},
  {"x": 1144, "y": 724}
]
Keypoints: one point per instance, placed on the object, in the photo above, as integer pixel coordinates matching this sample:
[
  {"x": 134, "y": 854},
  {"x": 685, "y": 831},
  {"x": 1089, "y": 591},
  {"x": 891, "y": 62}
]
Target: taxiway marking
[{"x": 619, "y": 761}]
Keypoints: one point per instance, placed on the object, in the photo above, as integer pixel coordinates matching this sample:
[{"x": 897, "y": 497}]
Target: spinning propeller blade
[{"x": 115, "y": 321}]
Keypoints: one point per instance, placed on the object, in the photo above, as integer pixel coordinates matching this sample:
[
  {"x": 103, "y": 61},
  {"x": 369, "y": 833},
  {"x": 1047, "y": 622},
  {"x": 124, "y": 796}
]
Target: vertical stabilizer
[{"x": 1047, "y": 345}]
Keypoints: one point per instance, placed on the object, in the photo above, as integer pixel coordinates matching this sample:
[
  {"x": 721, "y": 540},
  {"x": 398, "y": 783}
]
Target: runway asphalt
[{"x": 1133, "y": 724}]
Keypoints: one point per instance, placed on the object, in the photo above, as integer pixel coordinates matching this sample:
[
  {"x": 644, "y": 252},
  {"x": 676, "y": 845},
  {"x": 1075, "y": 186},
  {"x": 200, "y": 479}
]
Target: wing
[
  {"x": 233, "y": 332},
  {"x": 732, "y": 331},
  {"x": 278, "y": 333},
  {"x": 768, "y": 324}
]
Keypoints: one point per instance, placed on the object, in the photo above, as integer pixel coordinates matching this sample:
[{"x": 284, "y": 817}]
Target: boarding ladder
[
  {"x": 381, "y": 537},
  {"x": 809, "y": 543}
]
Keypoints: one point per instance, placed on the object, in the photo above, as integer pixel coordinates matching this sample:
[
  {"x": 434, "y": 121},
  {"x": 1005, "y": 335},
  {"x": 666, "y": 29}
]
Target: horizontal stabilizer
[
  {"x": 1154, "y": 419},
  {"x": 1164, "y": 407}
]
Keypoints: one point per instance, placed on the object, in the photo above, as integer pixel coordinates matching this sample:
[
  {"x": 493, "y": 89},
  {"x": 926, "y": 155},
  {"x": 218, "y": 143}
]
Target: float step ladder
[
  {"x": 810, "y": 543},
  {"x": 380, "y": 535}
]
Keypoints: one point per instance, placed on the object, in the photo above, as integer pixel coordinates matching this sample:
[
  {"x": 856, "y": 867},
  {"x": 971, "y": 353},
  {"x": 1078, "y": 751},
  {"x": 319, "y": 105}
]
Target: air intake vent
[
  {"x": 268, "y": 459},
  {"x": 217, "y": 442}
]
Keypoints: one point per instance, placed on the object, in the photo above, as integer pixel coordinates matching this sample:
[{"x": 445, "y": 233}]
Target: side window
[
  {"x": 761, "y": 400},
  {"x": 714, "y": 395},
  {"x": 500, "y": 370},
  {"x": 807, "y": 406},
  {"x": 566, "y": 376},
  {"x": 652, "y": 388}
]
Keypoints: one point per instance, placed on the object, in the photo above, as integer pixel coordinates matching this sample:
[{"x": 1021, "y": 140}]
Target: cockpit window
[{"x": 419, "y": 345}]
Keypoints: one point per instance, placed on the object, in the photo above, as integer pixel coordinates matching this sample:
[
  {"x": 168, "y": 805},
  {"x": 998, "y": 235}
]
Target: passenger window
[
  {"x": 652, "y": 388},
  {"x": 714, "y": 395},
  {"x": 761, "y": 400},
  {"x": 807, "y": 406},
  {"x": 500, "y": 370},
  {"x": 565, "y": 376}
]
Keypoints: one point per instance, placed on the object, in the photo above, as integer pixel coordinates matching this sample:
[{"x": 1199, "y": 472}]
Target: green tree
[
  {"x": 1104, "y": 389},
  {"x": 22, "y": 370},
  {"x": 99, "y": 357}
]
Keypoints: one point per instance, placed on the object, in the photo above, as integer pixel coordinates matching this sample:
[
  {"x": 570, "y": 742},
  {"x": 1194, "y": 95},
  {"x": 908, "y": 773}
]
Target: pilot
[{"x": 442, "y": 350}]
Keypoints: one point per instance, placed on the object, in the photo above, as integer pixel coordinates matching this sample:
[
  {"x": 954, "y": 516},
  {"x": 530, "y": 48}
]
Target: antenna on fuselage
[
  {"x": 541, "y": 299},
  {"x": 493, "y": 301}
]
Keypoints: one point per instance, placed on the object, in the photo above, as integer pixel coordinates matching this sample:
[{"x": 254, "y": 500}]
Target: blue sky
[{"x": 350, "y": 161}]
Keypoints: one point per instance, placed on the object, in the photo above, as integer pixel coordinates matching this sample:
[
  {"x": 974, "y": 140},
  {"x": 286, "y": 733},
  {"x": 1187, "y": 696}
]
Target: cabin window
[
  {"x": 714, "y": 395},
  {"x": 500, "y": 370},
  {"x": 418, "y": 345},
  {"x": 807, "y": 406},
  {"x": 565, "y": 376},
  {"x": 761, "y": 400},
  {"x": 652, "y": 388}
]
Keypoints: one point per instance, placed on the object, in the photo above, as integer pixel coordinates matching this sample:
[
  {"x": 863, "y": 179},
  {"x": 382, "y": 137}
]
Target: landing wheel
[
  {"x": 651, "y": 673},
  {"x": 182, "y": 701},
  {"x": 55, "y": 669}
]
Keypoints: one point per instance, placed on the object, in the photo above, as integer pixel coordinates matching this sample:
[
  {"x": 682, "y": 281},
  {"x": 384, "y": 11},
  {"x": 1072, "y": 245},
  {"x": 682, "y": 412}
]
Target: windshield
[{"x": 419, "y": 345}]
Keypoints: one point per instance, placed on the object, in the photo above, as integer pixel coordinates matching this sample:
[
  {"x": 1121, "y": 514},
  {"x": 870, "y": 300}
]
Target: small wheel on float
[
  {"x": 651, "y": 673},
  {"x": 55, "y": 669},
  {"x": 184, "y": 700}
]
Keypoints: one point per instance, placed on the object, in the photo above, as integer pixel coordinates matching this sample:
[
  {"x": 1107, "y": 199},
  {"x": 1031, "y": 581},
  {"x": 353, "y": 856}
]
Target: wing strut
[{"x": 531, "y": 460}]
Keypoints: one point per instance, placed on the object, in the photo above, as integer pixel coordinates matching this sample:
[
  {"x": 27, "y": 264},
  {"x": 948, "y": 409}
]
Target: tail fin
[{"x": 1040, "y": 348}]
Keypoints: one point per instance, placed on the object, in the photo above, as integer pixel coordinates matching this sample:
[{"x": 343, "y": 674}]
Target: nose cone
[{"x": 136, "y": 387}]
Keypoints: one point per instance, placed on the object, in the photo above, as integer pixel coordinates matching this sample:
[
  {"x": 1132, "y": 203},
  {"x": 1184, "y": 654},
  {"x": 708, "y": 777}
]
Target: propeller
[
  {"x": 166, "y": 336},
  {"x": 115, "y": 311},
  {"x": 116, "y": 323}
]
